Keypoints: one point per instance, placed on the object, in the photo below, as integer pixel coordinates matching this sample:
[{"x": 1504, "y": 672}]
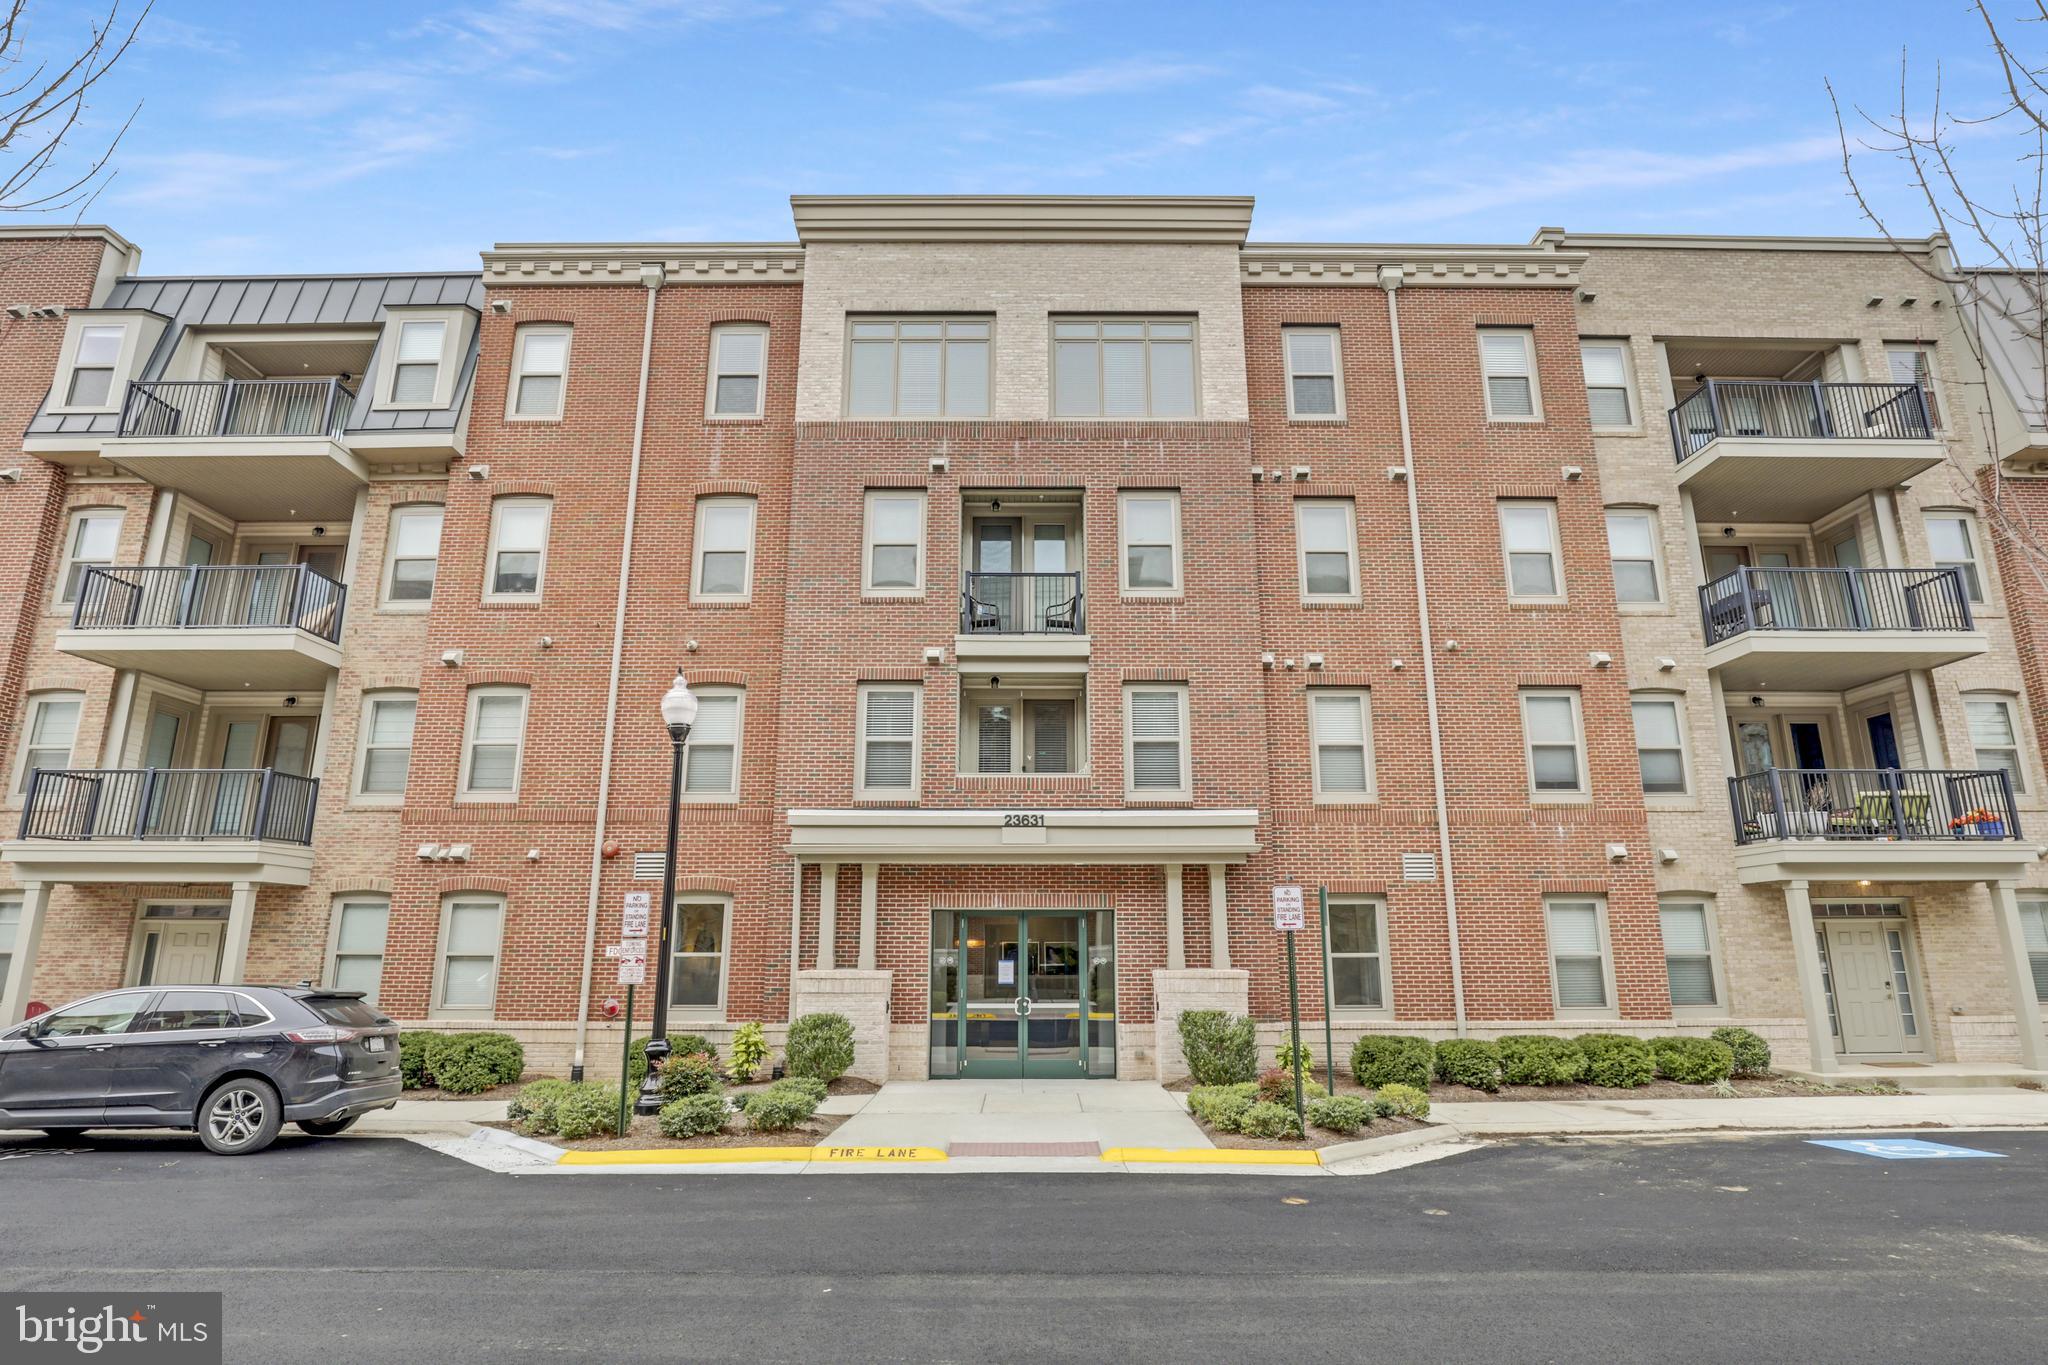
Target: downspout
[
  {"x": 1390, "y": 280},
  {"x": 652, "y": 274}
]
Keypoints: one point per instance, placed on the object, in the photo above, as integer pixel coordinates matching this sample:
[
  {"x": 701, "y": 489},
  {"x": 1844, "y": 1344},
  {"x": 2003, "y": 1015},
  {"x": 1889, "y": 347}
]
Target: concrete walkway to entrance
[{"x": 1044, "y": 1119}]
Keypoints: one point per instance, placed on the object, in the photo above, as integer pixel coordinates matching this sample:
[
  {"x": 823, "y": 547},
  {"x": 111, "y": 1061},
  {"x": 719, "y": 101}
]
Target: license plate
[{"x": 374, "y": 1043}]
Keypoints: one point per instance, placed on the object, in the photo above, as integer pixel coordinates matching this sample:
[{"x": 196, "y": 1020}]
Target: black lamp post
[{"x": 678, "y": 713}]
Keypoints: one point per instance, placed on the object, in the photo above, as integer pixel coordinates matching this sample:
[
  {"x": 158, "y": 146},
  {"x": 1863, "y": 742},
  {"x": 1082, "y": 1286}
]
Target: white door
[
  {"x": 1866, "y": 994},
  {"x": 181, "y": 953}
]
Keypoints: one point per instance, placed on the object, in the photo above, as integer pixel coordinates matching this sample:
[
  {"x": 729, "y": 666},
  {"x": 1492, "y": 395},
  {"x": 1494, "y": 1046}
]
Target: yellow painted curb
[
  {"x": 710, "y": 1156},
  {"x": 877, "y": 1154},
  {"x": 1212, "y": 1156}
]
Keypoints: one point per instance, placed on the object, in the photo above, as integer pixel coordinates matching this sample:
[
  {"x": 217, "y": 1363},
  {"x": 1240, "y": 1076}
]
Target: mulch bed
[
  {"x": 644, "y": 1134},
  {"x": 1757, "y": 1087},
  {"x": 496, "y": 1092},
  {"x": 1316, "y": 1138}
]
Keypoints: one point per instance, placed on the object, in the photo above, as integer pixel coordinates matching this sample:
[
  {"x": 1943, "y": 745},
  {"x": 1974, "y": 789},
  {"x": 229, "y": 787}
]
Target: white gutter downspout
[
  {"x": 1390, "y": 280},
  {"x": 652, "y": 276}
]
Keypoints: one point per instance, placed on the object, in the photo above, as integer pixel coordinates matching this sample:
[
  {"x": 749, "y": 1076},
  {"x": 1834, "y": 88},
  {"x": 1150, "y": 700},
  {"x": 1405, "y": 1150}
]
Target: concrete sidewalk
[
  {"x": 1046, "y": 1119},
  {"x": 1975, "y": 1108}
]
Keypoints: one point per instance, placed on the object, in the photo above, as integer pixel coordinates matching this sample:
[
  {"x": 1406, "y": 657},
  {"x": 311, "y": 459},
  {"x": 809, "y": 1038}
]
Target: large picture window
[
  {"x": 918, "y": 367},
  {"x": 1124, "y": 368}
]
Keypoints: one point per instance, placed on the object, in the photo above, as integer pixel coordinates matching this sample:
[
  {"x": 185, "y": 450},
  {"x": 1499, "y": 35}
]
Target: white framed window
[
  {"x": 1035, "y": 731},
  {"x": 1340, "y": 730},
  {"x": 540, "y": 373},
  {"x": 1952, "y": 541},
  {"x": 917, "y": 367},
  {"x": 889, "y": 755},
  {"x": 738, "y": 370},
  {"x": 1632, "y": 550},
  {"x": 417, "y": 365},
  {"x": 1912, "y": 362},
  {"x": 386, "y": 744},
  {"x": 1995, "y": 735},
  {"x": 1507, "y": 362},
  {"x": 1581, "y": 975},
  {"x": 355, "y": 955},
  {"x": 472, "y": 931},
  {"x": 892, "y": 543},
  {"x": 494, "y": 743},
  {"x": 10, "y": 925},
  {"x": 1148, "y": 525},
  {"x": 1326, "y": 548},
  {"x": 519, "y": 548},
  {"x": 696, "y": 978},
  {"x": 1358, "y": 954},
  {"x": 725, "y": 550},
  {"x": 50, "y": 732},
  {"x": 711, "y": 756},
  {"x": 1660, "y": 744},
  {"x": 1689, "y": 954},
  {"x": 1315, "y": 373},
  {"x": 1124, "y": 367},
  {"x": 1156, "y": 741},
  {"x": 90, "y": 542},
  {"x": 1528, "y": 538},
  {"x": 2033, "y": 927},
  {"x": 93, "y": 366},
  {"x": 1556, "y": 742},
  {"x": 412, "y": 554},
  {"x": 1610, "y": 399}
]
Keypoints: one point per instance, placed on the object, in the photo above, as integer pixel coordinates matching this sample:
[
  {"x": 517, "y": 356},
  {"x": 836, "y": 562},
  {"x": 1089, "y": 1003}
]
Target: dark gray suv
[{"x": 232, "y": 1063}]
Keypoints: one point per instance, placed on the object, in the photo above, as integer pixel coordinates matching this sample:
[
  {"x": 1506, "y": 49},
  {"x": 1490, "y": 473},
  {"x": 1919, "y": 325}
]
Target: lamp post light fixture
[{"x": 678, "y": 713}]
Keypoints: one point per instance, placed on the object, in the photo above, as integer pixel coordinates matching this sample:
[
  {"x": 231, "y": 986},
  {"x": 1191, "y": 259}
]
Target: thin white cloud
[
  {"x": 989, "y": 18},
  {"x": 1291, "y": 99},
  {"x": 1106, "y": 78},
  {"x": 195, "y": 178}
]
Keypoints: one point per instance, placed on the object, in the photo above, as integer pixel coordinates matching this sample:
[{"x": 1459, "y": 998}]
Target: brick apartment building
[{"x": 1604, "y": 624}]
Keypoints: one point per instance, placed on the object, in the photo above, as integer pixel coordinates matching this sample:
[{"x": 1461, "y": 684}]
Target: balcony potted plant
[
  {"x": 1812, "y": 822},
  {"x": 1978, "y": 824}
]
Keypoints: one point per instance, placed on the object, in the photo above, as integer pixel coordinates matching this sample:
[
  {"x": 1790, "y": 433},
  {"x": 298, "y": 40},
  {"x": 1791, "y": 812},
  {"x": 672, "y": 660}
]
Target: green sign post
[
  {"x": 626, "y": 1065},
  {"x": 1329, "y": 995}
]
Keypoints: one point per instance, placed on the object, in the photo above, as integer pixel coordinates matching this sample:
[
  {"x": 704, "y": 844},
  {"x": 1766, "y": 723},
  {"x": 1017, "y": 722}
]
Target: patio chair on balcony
[
  {"x": 1874, "y": 812},
  {"x": 982, "y": 615},
  {"x": 1064, "y": 615}
]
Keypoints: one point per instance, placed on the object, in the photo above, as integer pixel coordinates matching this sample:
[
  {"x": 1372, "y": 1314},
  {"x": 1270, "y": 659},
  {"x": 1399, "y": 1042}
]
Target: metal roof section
[{"x": 2011, "y": 351}]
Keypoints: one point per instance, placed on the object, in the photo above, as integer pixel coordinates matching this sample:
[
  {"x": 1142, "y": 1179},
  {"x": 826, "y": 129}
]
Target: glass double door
[{"x": 1021, "y": 989}]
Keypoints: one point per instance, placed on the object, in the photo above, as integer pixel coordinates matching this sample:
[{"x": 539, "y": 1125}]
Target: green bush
[
  {"x": 820, "y": 1045},
  {"x": 1693, "y": 1061},
  {"x": 678, "y": 1044},
  {"x": 749, "y": 1050},
  {"x": 804, "y": 1085},
  {"x": 471, "y": 1062},
  {"x": 416, "y": 1054},
  {"x": 779, "y": 1109},
  {"x": 1380, "y": 1059},
  {"x": 690, "y": 1073},
  {"x": 1265, "y": 1120},
  {"x": 1468, "y": 1061},
  {"x": 691, "y": 1116},
  {"x": 1221, "y": 1106},
  {"x": 1395, "y": 1100},
  {"x": 1221, "y": 1048},
  {"x": 1277, "y": 1087},
  {"x": 532, "y": 1110},
  {"x": 588, "y": 1110},
  {"x": 1539, "y": 1059},
  {"x": 1752, "y": 1053},
  {"x": 1617, "y": 1059},
  {"x": 1344, "y": 1114}
]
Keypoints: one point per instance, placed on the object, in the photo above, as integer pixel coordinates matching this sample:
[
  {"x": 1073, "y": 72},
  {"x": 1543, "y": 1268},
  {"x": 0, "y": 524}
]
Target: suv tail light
[{"x": 321, "y": 1033}]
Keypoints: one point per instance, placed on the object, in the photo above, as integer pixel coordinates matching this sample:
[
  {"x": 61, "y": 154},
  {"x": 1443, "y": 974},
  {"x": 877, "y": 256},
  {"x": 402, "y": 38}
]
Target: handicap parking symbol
[{"x": 1901, "y": 1149}]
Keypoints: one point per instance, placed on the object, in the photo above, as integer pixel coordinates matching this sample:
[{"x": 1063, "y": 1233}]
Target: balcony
[
  {"x": 255, "y": 449},
  {"x": 1796, "y": 450},
  {"x": 1856, "y": 824},
  {"x": 1827, "y": 630},
  {"x": 1022, "y": 617},
  {"x": 166, "y": 824},
  {"x": 212, "y": 627}
]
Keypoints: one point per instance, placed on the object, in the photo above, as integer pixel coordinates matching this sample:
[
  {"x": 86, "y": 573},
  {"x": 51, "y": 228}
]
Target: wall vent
[
  {"x": 1418, "y": 867},
  {"x": 647, "y": 866}
]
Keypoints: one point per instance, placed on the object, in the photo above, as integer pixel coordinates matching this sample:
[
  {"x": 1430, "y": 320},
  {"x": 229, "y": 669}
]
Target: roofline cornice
[
  {"x": 587, "y": 263},
  {"x": 58, "y": 232},
  {"x": 1218, "y": 220},
  {"x": 1678, "y": 241},
  {"x": 1541, "y": 265}
]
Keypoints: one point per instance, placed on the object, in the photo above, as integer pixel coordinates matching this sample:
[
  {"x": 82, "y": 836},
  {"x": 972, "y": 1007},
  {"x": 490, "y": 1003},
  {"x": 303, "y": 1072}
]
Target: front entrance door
[
  {"x": 1865, "y": 982},
  {"x": 179, "y": 952},
  {"x": 1034, "y": 990}
]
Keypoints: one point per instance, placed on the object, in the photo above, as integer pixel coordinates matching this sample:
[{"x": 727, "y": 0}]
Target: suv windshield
[{"x": 345, "y": 1010}]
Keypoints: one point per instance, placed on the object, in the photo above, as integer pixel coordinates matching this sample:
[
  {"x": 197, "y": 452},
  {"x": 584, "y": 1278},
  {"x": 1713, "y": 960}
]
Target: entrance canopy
[{"x": 895, "y": 835}]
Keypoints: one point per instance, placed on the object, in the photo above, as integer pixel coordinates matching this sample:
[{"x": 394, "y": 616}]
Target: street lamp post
[{"x": 678, "y": 713}]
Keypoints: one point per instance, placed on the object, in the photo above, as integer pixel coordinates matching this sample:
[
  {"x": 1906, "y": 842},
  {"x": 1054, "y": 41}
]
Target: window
[
  {"x": 94, "y": 536},
  {"x": 696, "y": 979},
  {"x": 471, "y": 929},
  {"x": 416, "y": 376},
  {"x": 1137, "y": 368},
  {"x": 887, "y": 761},
  {"x": 739, "y": 359},
  {"x": 1528, "y": 534},
  {"x": 356, "y": 961},
  {"x": 1358, "y": 971},
  {"x": 725, "y": 550},
  {"x": 1155, "y": 741},
  {"x": 1150, "y": 526},
  {"x": 1326, "y": 539},
  {"x": 2033, "y": 927},
  {"x": 92, "y": 367},
  {"x": 1550, "y": 721},
  {"x": 711, "y": 757},
  {"x": 52, "y": 728},
  {"x": 1660, "y": 746},
  {"x": 917, "y": 367},
  {"x": 894, "y": 539},
  {"x": 1507, "y": 359},
  {"x": 540, "y": 372},
  {"x": 1340, "y": 728},
  {"x": 10, "y": 925},
  {"x": 1913, "y": 363},
  {"x": 497, "y": 735},
  {"x": 189, "y": 1011},
  {"x": 1607, "y": 395},
  {"x": 1578, "y": 959},
  {"x": 1632, "y": 549},
  {"x": 1995, "y": 736},
  {"x": 1315, "y": 380},
  {"x": 413, "y": 553},
  {"x": 1688, "y": 954},
  {"x": 519, "y": 547},
  {"x": 387, "y": 743},
  {"x": 1039, "y": 731},
  {"x": 92, "y": 1018},
  {"x": 1953, "y": 543}
]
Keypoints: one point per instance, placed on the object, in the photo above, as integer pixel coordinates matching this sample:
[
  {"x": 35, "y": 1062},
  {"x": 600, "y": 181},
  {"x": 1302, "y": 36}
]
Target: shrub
[
  {"x": 690, "y": 1073},
  {"x": 1468, "y": 1061},
  {"x": 1752, "y": 1053},
  {"x": 1395, "y": 1100},
  {"x": 1265, "y": 1120},
  {"x": 588, "y": 1110},
  {"x": 820, "y": 1045},
  {"x": 1222, "y": 1049},
  {"x": 804, "y": 1085},
  {"x": 416, "y": 1054},
  {"x": 532, "y": 1110},
  {"x": 678, "y": 1044},
  {"x": 1286, "y": 1055},
  {"x": 1693, "y": 1061},
  {"x": 779, "y": 1109},
  {"x": 1380, "y": 1059},
  {"x": 1277, "y": 1087},
  {"x": 749, "y": 1050},
  {"x": 1539, "y": 1059},
  {"x": 693, "y": 1115},
  {"x": 1222, "y": 1106},
  {"x": 471, "y": 1062},
  {"x": 1617, "y": 1059},
  {"x": 1340, "y": 1113}
]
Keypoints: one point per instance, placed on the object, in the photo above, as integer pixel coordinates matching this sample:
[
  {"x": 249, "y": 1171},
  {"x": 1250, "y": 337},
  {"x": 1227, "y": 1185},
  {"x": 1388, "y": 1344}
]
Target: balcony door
[
  {"x": 995, "y": 544},
  {"x": 1782, "y": 740}
]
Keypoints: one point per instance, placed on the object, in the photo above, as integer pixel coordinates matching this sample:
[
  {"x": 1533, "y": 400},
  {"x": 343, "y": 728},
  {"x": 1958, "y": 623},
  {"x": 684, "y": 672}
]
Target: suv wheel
[
  {"x": 327, "y": 1127},
  {"x": 239, "y": 1117}
]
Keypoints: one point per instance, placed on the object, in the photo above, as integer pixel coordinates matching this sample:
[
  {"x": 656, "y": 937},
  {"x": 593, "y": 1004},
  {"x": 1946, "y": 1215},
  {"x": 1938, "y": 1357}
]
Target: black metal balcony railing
[
  {"x": 1833, "y": 599},
  {"x": 169, "y": 804},
  {"x": 236, "y": 407},
  {"x": 1872, "y": 804},
  {"x": 1793, "y": 410},
  {"x": 1021, "y": 604},
  {"x": 210, "y": 597}
]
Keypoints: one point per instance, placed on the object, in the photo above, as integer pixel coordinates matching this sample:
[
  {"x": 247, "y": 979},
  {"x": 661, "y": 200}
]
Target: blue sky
[{"x": 295, "y": 135}]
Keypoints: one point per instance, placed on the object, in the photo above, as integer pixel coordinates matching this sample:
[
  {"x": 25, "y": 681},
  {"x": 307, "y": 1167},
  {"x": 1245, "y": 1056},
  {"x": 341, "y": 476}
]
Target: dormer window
[
  {"x": 92, "y": 370},
  {"x": 418, "y": 372}
]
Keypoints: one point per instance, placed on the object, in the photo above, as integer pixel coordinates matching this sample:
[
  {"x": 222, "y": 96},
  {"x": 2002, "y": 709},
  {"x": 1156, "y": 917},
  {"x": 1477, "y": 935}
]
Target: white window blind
[
  {"x": 889, "y": 724},
  {"x": 1326, "y": 547},
  {"x": 1659, "y": 749},
  {"x": 543, "y": 359},
  {"x": 470, "y": 956},
  {"x": 895, "y": 535},
  {"x": 1688, "y": 954},
  {"x": 725, "y": 544},
  {"x": 387, "y": 745},
  {"x": 710, "y": 767},
  {"x": 1995, "y": 739},
  {"x": 1341, "y": 764},
  {"x": 1150, "y": 534},
  {"x": 1953, "y": 547},
  {"x": 1052, "y": 732},
  {"x": 1311, "y": 373},
  {"x": 1123, "y": 369},
  {"x": 2033, "y": 925},
  {"x": 415, "y": 553},
  {"x": 359, "y": 933},
  {"x": 494, "y": 745},
  {"x": 1357, "y": 974},
  {"x": 1632, "y": 547},
  {"x": 419, "y": 361},
  {"x": 1529, "y": 532},
  {"x": 1912, "y": 365},
  {"x": 1553, "y": 733},
  {"x": 92, "y": 369},
  {"x": 918, "y": 368},
  {"x": 94, "y": 538},
  {"x": 521, "y": 542},
  {"x": 1576, "y": 956},
  {"x": 1156, "y": 740},
  {"x": 10, "y": 925},
  {"x": 992, "y": 735},
  {"x": 52, "y": 729},
  {"x": 1504, "y": 359},
  {"x": 1606, "y": 383},
  {"x": 736, "y": 381}
]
